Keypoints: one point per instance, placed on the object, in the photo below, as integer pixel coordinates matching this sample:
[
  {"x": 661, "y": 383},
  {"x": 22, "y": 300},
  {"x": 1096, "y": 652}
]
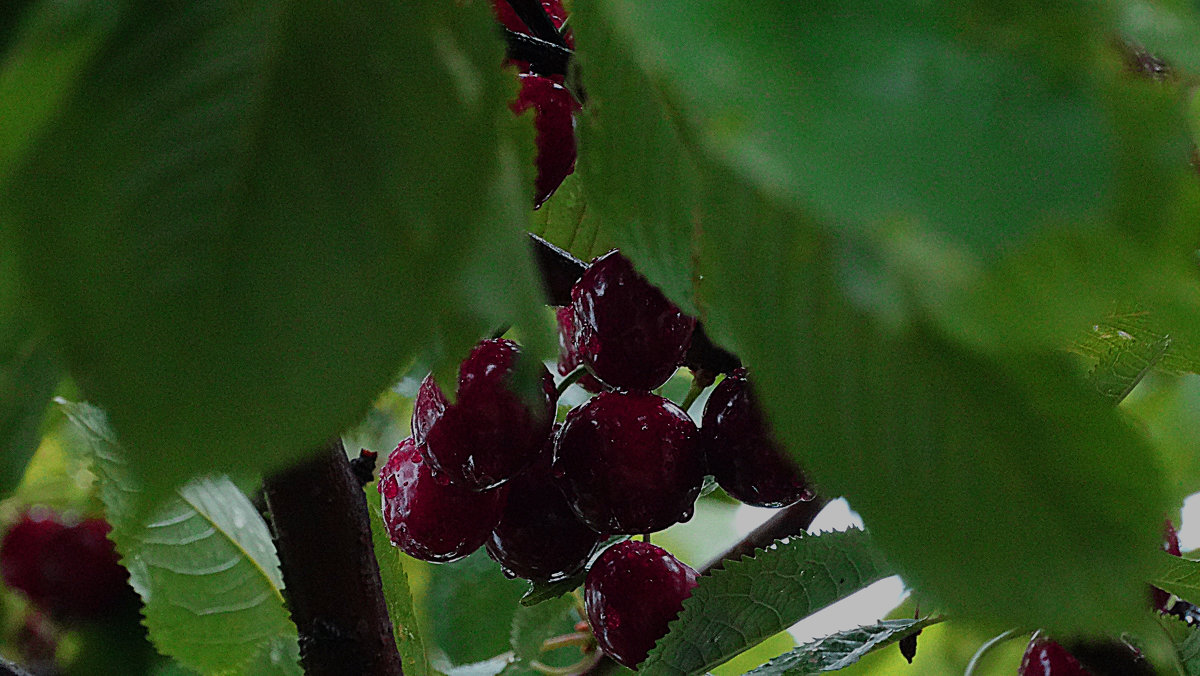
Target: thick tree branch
[{"x": 331, "y": 577}]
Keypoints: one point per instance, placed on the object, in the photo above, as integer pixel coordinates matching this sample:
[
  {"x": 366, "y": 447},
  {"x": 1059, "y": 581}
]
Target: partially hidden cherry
[
  {"x": 742, "y": 453},
  {"x": 631, "y": 594},
  {"x": 1160, "y": 598},
  {"x": 568, "y": 356},
  {"x": 554, "y": 109},
  {"x": 1045, "y": 657},
  {"x": 627, "y": 332},
  {"x": 539, "y": 537},
  {"x": 629, "y": 462},
  {"x": 509, "y": 19},
  {"x": 23, "y": 553},
  {"x": 83, "y": 572},
  {"x": 491, "y": 433},
  {"x": 430, "y": 518}
]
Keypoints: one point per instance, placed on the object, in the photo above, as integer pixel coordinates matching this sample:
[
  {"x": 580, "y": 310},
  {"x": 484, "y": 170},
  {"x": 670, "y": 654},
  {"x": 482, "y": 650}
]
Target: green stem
[
  {"x": 583, "y": 639},
  {"x": 569, "y": 381},
  {"x": 987, "y": 647},
  {"x": 692, "y": 393}
]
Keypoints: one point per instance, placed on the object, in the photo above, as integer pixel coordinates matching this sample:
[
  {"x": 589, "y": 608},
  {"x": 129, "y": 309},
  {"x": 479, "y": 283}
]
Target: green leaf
[
  {"x": 241, "y": 233},
  {"x": 204, "y": 564},
  {"x": 1169, "y": 29},
  {"x": 648, "y": 203},
  {"x": 29, "y": 372},
  {"x": 397, "y": 594},
  {"x": 974, "y": 118},
  {"x": 842, "y": 649},
  {"x": 471, "y": 605},
  {"x": 950, "y": 456},
  {"x": 1189, "y": 653},
  {"x": 1177, "y": 575},
  {"x": 1170, "y": 413},
  {"x": 1132, "y": 337},
  {"x": 566, "y": 221},
  {"x": 745, "y": 602},
  {"x": 531, "y": 626}
]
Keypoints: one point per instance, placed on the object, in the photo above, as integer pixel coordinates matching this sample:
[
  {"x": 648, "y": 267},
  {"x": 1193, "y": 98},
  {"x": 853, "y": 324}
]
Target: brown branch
[
  {"x": 791, "y": 520},
  {"x": 331, "y": 577}
]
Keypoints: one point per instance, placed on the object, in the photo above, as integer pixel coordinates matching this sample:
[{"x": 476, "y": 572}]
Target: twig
[
  {"x": 331, "y": 577},
  {"x": 791, "y": 520},
  {"x": 544, "y": 58}
]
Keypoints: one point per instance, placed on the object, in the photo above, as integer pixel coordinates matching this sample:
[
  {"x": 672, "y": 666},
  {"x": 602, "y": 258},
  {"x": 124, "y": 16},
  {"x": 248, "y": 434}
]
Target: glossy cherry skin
[
  {"x": 629, "y": 462},
  {"x": 741, "y": 452},
  {"x": 1045, "y": 657},
  {"x": 554, "y": 109},
  {"x": 429, "y": 518},
  {"x": 23, "y": 553},
  {"x": 631, "y": 594},
  {"x": 568, "y": 356},
  {"x": 539, "y": 537},
  {"x": 490, "y": 434},
  {"x": 83, "y": 572},
  {"x": 509, "y": 19},
  {"x": 626, "y": 331}
]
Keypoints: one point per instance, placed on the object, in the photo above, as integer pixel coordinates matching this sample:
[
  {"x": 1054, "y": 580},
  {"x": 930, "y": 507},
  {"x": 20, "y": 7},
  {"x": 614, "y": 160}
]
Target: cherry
[
  {"x": 71, "y": 571},
  {"x": 627, "y": 332},
  {"x": 631, "y": 594},
  {"x": 1160, "y": 598},
  {"x": 568, "y": 356},
  {"x": 629, "y": 462},
  {"x": 509, "y": 19},
  {"x": 554, "y": 111},
  {"x": 539, "y": 537},
  {"x": 741, "y": 452},
  {"x": 83, "y": 571},
  {"x": 491, "y": 433},
  {"x": 1045, "y": 657},
  {"x": 430, "y": 518},
  {"x": 23, "y": 551}
]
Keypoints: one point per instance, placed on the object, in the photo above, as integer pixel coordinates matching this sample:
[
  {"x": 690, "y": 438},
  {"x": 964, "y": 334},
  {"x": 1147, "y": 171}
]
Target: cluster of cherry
[{"x": 493, "y": 469}]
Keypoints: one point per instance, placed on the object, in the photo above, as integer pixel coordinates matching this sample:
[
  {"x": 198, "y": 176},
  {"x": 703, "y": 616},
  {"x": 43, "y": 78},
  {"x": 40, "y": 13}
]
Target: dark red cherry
[
  {"x": 627, "y": 332},
  {"x": 568, "y": 356},
  {"x": 539, "y": 537},
  {"x": 490, "y": 434},
  {"x": 82, "y": 571},
  {"x": 23, "y": 553},
  {"x": 429, "y": 518},
  {"x": 632, "y": 593},
  {"x": 509, "y": 19},
  {"x": 1045, "y": 657},
  {"x": 741, "y": 451},
  {"x": 1160, "y": 598},
  {"x": 554, "y": 111},
  {"x": 629, "y": 462}
]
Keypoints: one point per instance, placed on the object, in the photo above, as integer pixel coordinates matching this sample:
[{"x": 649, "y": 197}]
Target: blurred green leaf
[
  {"x": 1170, "y": 413},
  {"x": 397, "y": 594},
  {"x": 1168, "y": 28},
  {"x": 840, "y": 650},
  {"x": 204, "y": 565},
  {"x": 975, "y": 462},
  {"x": 241, "y": 233},
  {"x": 1189, "y": 653},
  {"x": 975, "y": 118},
  {"x": 642, "y": 183},
  {"x": 472, "y": 606},
  {"x": 747, "y": 601}
]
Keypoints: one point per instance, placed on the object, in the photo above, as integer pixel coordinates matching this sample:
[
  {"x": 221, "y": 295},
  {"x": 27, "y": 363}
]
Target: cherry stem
[
  {"x": 544, "y": 58},
  {"x": 569, "y": 380},
  {"x": 692, "y": 394},
  {"x": 590, "y": 660},
  {"x": 583, "y": 639},
  {"x": 987, "y": 647},
  {"x": 533, "y": 14}
]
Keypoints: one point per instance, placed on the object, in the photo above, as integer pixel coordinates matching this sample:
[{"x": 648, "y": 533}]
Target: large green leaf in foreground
[
  {"x": 1009, "y": 491},
  {"x": 204, "y": 565},
  {"x": 747, "y": 601},
  {"x": 249, "y": 216}
]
